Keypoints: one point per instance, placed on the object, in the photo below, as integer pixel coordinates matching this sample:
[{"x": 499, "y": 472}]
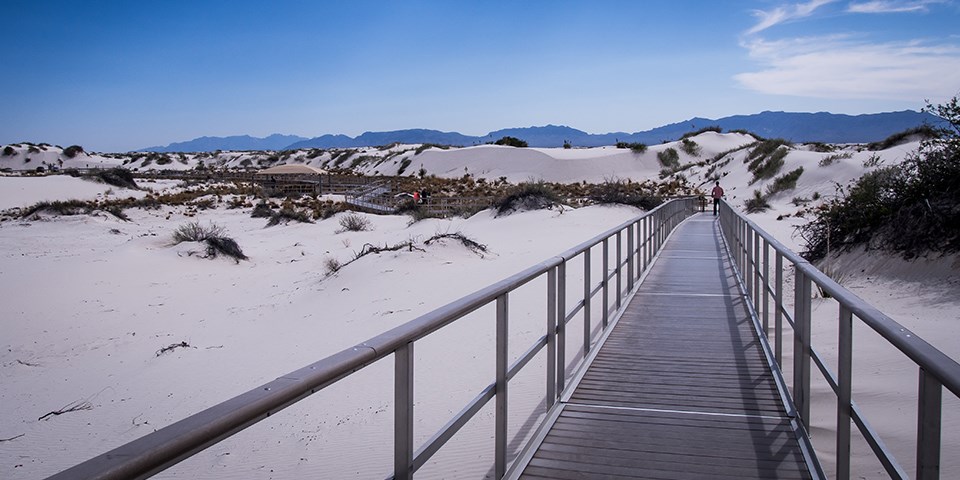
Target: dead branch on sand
[
  {"x": 172, "y": 346},
  {"x": 12, "y": 438},
  {"x": 70, "y": 407}
]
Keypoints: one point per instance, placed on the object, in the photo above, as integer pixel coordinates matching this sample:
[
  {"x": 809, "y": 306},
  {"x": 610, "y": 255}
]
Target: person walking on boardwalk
[{"x": 717, "y": 194}]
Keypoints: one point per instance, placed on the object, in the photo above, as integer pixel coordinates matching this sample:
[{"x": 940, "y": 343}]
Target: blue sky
[{"x": 122, "y": 75}]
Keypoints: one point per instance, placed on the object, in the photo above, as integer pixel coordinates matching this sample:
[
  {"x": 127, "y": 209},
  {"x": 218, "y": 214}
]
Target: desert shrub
[
  {"x": 874, "y": 161},
  {"x": 912, "y": 208},
  {"x": 636, "y": 147},
  {"x": 195, "y": 232},
  {"x": 669, "y": 158},
  {"x": 821, "y": 147},
  {"x": 353, "y": 222},
  {"x": 73, "y": 207},
  {"x": 899, "y": 138},
  {"x": 332, "y": 265},
  {"x": 164, "y": 160},
  {"x": 414, "y": 210},
  {"x": 784, "y": 182},
  {"x": 286, "y": 215},
  {"x": 511, "y": 142},
  {"x": 403, "y": 165},
  {"x": 262, "y": 210},
  {"x": 72, "y": 151},
  {"x": 766, "y": 158},
  {"x": 527, "y": 196},
  {"x": 712, "y": 128},
  {"x": 624, "y": 192},
  {"x": 567, "y": 145},
  {"x": 690, "y": 147},
  {"x": 213, "y": 236},
  {"x": 829, "y": 159},
  {"x": 747, "y": 132},
  {"x": 118, "y": 177},
  {"x": 9, "y": 151},
  {"x": 756, "y": 204},
  {"x": 33, "y": 149}
]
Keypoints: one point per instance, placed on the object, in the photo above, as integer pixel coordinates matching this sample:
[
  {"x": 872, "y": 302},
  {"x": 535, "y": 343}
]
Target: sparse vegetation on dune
[
  {"x": 923, "y": 132},
  {"x": 669, "y": 158},
  {"x": 912, "y": 208},
  {"x": 527, "y": 196},
  {"x": 766, "y": 158}
]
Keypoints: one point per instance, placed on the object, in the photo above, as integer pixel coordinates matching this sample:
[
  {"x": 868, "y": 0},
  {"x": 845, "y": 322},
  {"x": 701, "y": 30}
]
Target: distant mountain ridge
[{"x": 797, "y": 127}]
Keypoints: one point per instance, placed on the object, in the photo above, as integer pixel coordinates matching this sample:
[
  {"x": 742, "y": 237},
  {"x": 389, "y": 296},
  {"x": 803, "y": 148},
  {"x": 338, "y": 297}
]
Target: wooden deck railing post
[
  {"x": 801, "y": 346},
  {"x": 561, "y": 326},
  {"x": 500, "y": 454},
  {"x": 619, "y": 269},
  {"x": 605, "y": 318},
  {"x": 586, "y": 302},
  {"x": 551, "y": 337},
  {"x": 403, "y": 413},
  {"x": 631, "y": 255},
  {"x": 928, "y": 426},
  {"x": 844, "y": 395},
  {"x": 778, "y": 309}
]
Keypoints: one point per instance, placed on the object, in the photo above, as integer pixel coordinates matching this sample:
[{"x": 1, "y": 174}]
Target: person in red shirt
[{"x": 717, "y": 194}]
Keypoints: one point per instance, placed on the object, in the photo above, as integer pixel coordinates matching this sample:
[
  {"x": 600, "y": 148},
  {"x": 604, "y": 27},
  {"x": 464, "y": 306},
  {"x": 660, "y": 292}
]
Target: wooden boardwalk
[{"x": 681, "y": 387}]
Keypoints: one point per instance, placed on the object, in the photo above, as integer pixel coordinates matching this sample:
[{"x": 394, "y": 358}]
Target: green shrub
[
  {"x": 766, "y": 158},
  {"x": 821, "y": 147},
  {"x": 511, "y": 142},
  {"x": 262, "y": 210},
  {"x": 426, "y": 146},
  {"x": 213, "y": 236},
  {"x": 784, "y": 182},
  {"x": 403, "y": 165},
  {"x": 748, "y": 132},
  {"x": 624, "y": 192},
  {"x": 669, "y": 158},
  {"x": 118, "y": 177},
  {"x": 72, "y": 151},
  {"x": 912, "y": 208},
  {"x": 713, "y": 128},
  {"x": 286, "y": 215},
  {"x": 899, "y": 138},
  {"x": 829, "y": 159},
  {"x": 527, "y": 196},
  {"x": 690, "y": 147},
  {"x": 636, "y": 147},
  {"x": 353, "y": 222},
  {"x": 756, "y": 204},
  {"x": 9, "y": 151}
]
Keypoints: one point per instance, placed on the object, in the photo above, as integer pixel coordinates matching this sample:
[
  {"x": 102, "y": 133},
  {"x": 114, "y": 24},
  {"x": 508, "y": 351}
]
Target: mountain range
[{"x": 796, "y": 127}]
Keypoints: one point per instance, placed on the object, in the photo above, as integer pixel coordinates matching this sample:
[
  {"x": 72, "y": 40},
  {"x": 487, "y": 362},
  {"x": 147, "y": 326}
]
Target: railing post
[
  {"x": 766, "y": 289},
  {"x": 844, "y": 395},
  {"x": 748, "y": 267},
  {"x": 403, "y": 413},
  {"x": 630, "y": 257},
  {"x": 619, "y": 268},
  {"x": 605, "y": 318},
  {"x": 801, "y": 346},
  {"x": 928, "y": 427},
  {"x": 551, "y": 337},
  {"x": 586, "y": 301},
  {"x": 756, "y": 271},
  {"x": 500, "y": 455},
  {"x": 778, "y": 309},
  {"x": 561, "y": 326}
]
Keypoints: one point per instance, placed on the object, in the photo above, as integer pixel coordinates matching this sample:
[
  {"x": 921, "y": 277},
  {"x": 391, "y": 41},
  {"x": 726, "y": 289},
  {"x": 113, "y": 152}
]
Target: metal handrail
[
  {"x": 936, "y": 369},
  {"x": 645, "y": 234}
]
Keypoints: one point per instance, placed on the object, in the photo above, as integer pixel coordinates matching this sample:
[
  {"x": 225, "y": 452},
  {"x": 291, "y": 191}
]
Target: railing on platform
[
  {"x": 752, "y": 250},
  {"x": 644, "y": 236}
]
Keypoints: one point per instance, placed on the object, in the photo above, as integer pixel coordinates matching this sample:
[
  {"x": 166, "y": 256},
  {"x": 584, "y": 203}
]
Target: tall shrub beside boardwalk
[{"x": 912, "y": 208}]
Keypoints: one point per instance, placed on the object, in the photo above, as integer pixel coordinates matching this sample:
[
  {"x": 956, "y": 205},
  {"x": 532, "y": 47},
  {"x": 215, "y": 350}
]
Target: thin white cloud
[
  {"x": 891, "y": 6},
  {"x": 840, "y": 66},
  {"x": 784, "y": 13}
]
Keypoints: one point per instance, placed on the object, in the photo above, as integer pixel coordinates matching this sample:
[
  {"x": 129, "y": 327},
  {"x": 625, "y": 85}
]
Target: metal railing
[
  {"x": 625, "y": 252},
  {"x": 752, "y": 250}
]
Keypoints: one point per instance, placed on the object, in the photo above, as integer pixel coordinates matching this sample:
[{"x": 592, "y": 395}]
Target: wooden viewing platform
[{"x": 681, "y": 387}]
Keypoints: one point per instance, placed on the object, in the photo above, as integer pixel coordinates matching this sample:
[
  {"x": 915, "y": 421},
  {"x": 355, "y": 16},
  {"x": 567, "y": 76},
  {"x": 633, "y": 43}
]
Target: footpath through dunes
[{"x": 681, "y": 387}]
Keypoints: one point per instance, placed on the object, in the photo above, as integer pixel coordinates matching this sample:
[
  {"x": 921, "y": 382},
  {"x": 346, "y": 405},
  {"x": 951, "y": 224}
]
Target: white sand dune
[{"x": 89, "y": 301}]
